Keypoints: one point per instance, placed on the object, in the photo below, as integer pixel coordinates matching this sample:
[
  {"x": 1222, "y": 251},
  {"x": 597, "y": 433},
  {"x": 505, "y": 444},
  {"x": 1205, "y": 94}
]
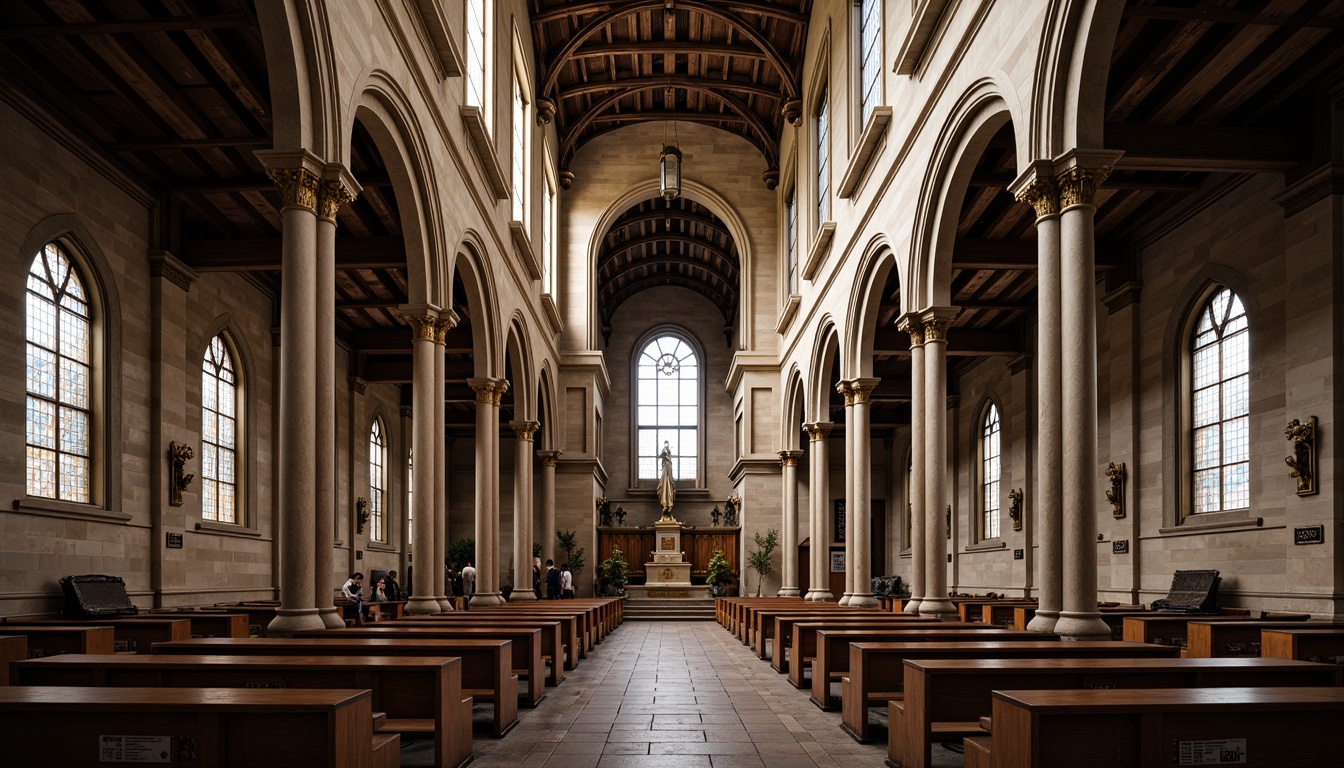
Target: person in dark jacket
[
  {"x": 393, "y": 588},
  {"x": 552, "y": 581}
]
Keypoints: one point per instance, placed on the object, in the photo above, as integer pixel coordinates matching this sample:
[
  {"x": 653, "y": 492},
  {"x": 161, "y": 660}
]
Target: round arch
[
  {"x": 1073, "y": 62},
  {"x": 291, "y": 35},
  {"x": 518, "y": 351},
  {"x": 795, "y": 408},
  {"x": 470, "y": 265},
  {"x": 874, "y": 267},
  {"x": 825, "y": 347},
  {"x": 546, "y": 407}
]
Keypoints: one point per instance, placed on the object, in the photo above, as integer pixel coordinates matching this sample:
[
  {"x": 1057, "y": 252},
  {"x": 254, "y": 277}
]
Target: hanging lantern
[{"x": 669, "y": 177}]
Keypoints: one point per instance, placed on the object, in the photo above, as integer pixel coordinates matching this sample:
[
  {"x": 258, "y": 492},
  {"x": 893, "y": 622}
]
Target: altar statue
[{"x": 667, "y": 487}]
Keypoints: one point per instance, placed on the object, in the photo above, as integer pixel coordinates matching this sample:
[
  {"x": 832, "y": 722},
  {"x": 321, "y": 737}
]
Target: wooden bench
[
  {"x": 131, "y": 635},
  {"x": 207, "y": 623},
  {"x": 556, "y": 645},
  {"x": 74, "y": 727},
  {"x": 877, "y": 670},
  {"x": 781, "y": 632},
  {"x": 804, "y": 646},
  {"x": 526, "y": 647},
  {"x": 1166, "y": 629},
  {"x": 12, "y": 648},
  {"x": 1254, "y": 727},
  {"x": 259, "y": 614},
  {"x": 832, "y": 659},
  {"x": 1323, "y": 645},
  {"x": 1219, "y": 639},
  {"x": 761, "y": 626},
  {"x": 571, "y": 626},
  {"x": 418, "y": 694},
  {"x": 945, "y": 699},
  {"x": 972, "y": 611},
  {"x": 55, "y": 639},
  {"x": 486, "y": 664}
]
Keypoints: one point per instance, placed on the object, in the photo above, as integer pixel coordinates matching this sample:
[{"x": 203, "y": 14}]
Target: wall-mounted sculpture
[
  {"x": 178, "y": 455},
  {"x": 1015, "y": 507},
  {"x": 1303, "y": 461},
  {"x": 1116, "y": 493},
  {"x": 361, "y": 513}
]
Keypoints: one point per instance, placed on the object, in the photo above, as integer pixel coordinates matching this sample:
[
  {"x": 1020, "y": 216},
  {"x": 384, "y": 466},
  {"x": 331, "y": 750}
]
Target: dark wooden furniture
[
  {"x": 1166, "y": 629},
  {"x": 1323, "y": 645},
  {"x": 208, "y": 623},
  {"x": 12, "y": 648},
  {"x": 804, "y": 646},
  {"x": 553, "y": 641},
  {"x": 131, "y": 635},
  {"x": 1220, "y": 639},
  {"x": 778, "y": 627},
  {"x": 55, "y": 639}
]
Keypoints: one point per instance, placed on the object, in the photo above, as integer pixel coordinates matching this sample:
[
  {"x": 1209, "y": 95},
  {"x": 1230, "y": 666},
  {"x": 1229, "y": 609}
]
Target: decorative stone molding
[
  {"x": 357, "y": 385},
  {"x": 178, "y": 455},
  {"x": 1302, "y": 464},
  {"x": 819, "y": 431},
  {"x": 821, "y": 246},
  {"x": 771, "y": 177},
  {"x": 473, "y": 120},
  {"x": 549, "y": 458},
  {"x": 911, "y": 324},
  {"x": 566, "y": 178},
  {"x": 167, "y": 266},
  {"x": 844, "y": 389},
  {"x": 1116, "y": 493},
  {"x": 874, "y": 131},
  {"x": 545, "y": 111},
  {"x": 298, "y": 187},
  {"x": 1015, "y": 507},
  {"x": 332, "y": 196},
  {"x": 793, "y": 111},
  {"x": 488, "y": 391}
]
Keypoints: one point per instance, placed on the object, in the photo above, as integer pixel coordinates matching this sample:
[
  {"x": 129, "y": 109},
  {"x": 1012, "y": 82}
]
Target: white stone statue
[{"x": 667, "y": 487}]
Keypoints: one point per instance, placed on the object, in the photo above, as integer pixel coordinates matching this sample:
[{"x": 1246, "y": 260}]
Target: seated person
[{"x": 351, "y": 589}]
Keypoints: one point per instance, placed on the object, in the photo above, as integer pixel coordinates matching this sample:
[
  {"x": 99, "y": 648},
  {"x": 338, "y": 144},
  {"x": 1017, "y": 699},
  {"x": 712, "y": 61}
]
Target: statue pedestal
[{"x": 669, "y": 575}]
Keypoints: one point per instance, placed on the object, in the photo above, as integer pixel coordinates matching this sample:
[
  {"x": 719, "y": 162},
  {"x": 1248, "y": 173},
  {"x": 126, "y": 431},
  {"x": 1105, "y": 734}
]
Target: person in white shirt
[
  {"x": 351, "y": 589},
  {"x": 468, "y": 580},
  {"x": 566, "y": 582}
]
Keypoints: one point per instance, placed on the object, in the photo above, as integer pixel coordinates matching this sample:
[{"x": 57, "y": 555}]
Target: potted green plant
[
  {"x": 614, "y": 572},
  {"x": 759, "y": 559},
  {"x": 720, "y": 574},
  {"x": 569, "y": 542}
]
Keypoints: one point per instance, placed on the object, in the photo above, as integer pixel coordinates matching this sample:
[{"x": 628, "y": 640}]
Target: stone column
[
  {"x": 488, "y": 392},
  {"x": 547, "y": 534},
  {"x": 936, "y": 322},
  {"x": 439, "y": 508},
  {"x": 424, "y": 322},
  {"x": 1079, "y": 618},
  {"x": 819, "y": 587},
  {"x": 843, "y": 388},
  {"x": 788, "y": 462},
  {"x": 297, "y": 175},
  {"x": 522, "y": 510},
  {"x": 911, "y": 324},
  {"x": 859, "y": 516},
  {"x": 1037, "y": 188},
  {"x": 336, "y": 190}
]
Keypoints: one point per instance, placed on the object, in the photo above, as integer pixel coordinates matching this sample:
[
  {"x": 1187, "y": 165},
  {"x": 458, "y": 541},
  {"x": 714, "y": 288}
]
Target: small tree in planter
[
  {"x": 614, "y": 571},
  {"x": 569, "y": 542},
  {"x": 720, "y": 574},
  {"x": 759, "y": 559}
]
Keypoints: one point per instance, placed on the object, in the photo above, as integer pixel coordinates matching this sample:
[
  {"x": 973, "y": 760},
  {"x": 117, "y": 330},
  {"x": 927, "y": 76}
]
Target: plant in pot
[
  {"x": 720, "y": 574},
  {"x": 759, "y": 559},
  {"x": 614, "y": 572}
]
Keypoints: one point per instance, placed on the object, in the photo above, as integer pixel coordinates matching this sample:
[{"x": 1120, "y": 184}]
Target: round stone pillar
[
  {"x": 522, "y": 510},
  {"x": 936, "y": 323},
  {"x": 424, "y": 329},
  {"x": 819, "y": 587},
  {"x": 788, "y": 480},
  {"x": 915, "y": 507},
  {"x": 859, "y": 507}
]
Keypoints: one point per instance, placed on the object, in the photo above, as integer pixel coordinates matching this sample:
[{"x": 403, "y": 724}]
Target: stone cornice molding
[
  {"x": 164, "y": 264},
  {"x": 357, "y": 385}
]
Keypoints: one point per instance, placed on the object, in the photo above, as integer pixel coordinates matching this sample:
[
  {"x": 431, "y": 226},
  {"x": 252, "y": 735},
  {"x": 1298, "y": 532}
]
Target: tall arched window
[
  {"x": 1219, "y": 379},
  {"x": 990, "y": 472},
  {"x": 219, "y": 434},
  {"x": 822, "y": 155},
  {"x": 60, "y": 417},
  {"x": 791, "y": 233},
  {"x": 377, "y": 480},
  {"x": 478, "y": 55},
  {"x": 668, "y": 407},
  {"x": 870, "y": 57}
]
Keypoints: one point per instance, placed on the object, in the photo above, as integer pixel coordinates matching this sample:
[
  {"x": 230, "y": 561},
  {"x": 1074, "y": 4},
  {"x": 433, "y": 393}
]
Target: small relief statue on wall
[
  {"x": 730, "y": 509},
  {"x": 715, "y": 515},
  {"x": 603, "y": 511},
  {"x": 620, "y": 516},
  {"x": 178, "y": 455},
  {"x": 1015, "y": 507},
  {"x": 1116, "y": 493},
  {"x": 1302, "y": 464},
  {"x": 361, "y": 513}
]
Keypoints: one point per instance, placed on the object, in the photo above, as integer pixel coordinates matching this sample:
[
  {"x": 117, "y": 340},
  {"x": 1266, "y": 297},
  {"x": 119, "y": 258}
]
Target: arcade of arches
[{"x": 1031, "y": 290}]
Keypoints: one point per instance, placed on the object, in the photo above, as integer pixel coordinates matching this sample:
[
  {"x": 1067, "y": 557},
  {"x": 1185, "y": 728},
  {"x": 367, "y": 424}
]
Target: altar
[{"x": 669, "y": 572}]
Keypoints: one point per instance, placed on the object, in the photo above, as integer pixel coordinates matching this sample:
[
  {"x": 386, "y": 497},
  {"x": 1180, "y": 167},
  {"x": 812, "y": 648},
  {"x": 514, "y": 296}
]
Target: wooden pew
[
  {"x": 1323, "y": 645},
  {"x": 259, "y": 614},
  {"x": 552, "y": 634},
  {"x": 781, "y": 649},
  {"x": 804, "y": 646},
  {"x": 74, "y": 727},
  {"x": 486, "y": 664},
  {"x": 972, "y": 611},
  {"x": 1219, "y": 639},
  {"x": 207, "y": 623},
  {"x": 877, "y": 670},
  {"x": 1254, "y": 727},
  {"x": 1165, "y": 629},
  {"x": 760, "y": 627},
  {"x": 569, "y": 628},
  {"x": 945, "y": 699},
  {"x": 55, "y": 639},
  {"x": 12, "y": 648},
  {"x": 131, "y": 635},
  {"x": 419, "y": 694},
  {"x": 832, "y": 659},
  {"x": 526, "y": 644}
]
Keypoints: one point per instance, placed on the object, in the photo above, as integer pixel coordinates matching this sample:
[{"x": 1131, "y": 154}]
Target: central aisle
[{"x": 683, "y": 694}]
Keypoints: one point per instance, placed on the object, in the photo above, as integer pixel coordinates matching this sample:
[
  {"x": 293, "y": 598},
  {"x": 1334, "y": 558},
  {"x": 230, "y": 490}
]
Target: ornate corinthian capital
[
  {"x": 935, "y": 328},
  {"x": 1078, "y": 186},
  {"x": 332, "y": 194},
  {"x": 844, "y": 389},
  {"x": 423, "y": 327},
  {"x": 789, "y": 458},
  {"x": 1042, "y": 195},
  {"x": 298, "y": 187},
  {"x": 525, "y": 430},
  {"x": 913, "y": 325}
]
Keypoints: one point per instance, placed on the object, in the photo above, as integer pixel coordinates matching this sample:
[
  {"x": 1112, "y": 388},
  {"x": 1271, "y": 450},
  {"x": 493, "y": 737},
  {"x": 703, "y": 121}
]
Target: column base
[
  {"x": 422, "y": 605},
  {"x": 788, "y": 592},
  {"x": 486, "y": 599},
  {"x": 845, "y": 598},
  {"x": 819, "y": 595},
  {"x": 331, "y": 618},
  {"x": 912, "y": 605},
  {"x": 860, "y": 600},
  {"x": 445, "y": 603},
  {"x": 1043, "y": 621},
  {"x": 287, "y": 621},
  {"x": 934, "y": 607},
  {"x": 1082, "y": 625},
  {"x": 522, "y": 596}
]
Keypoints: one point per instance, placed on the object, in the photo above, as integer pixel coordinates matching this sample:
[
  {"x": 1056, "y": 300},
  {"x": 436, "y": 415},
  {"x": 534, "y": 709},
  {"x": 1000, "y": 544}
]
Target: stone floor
[{"x": 674, "y": 695}]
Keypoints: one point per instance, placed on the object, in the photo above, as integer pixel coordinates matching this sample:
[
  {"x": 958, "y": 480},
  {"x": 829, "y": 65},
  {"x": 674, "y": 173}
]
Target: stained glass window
[
  {"x": 990, "y": 473},
  {"x": 60, "y": 418},
  {"x": 1220, "y": 405},
  {"x": 668, "y": 408},
  {"x": 219, "y": 434},
  {"x": 377, "y": 480}
]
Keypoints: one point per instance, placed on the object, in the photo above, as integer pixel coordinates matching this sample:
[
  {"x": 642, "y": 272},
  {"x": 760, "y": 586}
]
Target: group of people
[
  {"x": 385, "y": 589},
  {"x": 559, "y": 581}
]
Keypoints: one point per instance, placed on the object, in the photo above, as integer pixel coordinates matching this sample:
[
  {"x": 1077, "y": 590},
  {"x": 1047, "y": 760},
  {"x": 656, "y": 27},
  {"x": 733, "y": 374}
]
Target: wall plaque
[
  {"x": 837, "y": 562},
  {"x": 1314, "y": 534},
  {"x": 174, "y": 541},
  {"x": 1120, "y": 547},
  {"x": 840, "y": 521},
  {"x": 1018, "y": 554},
  {"x": 668, "y": 544}
]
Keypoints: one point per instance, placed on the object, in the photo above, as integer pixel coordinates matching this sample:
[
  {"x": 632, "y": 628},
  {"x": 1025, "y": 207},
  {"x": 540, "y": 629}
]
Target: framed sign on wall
[
  {"x": 837, "y": 562},
  {"x": 840, "y": 521}
]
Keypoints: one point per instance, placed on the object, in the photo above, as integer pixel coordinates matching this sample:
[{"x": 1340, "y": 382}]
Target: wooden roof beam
[
  {"x": 769, "y": 10},
  {"x": 1208, "y": 15},
  {"x": 960, "y": 343},
  {"x": 1206, "y": 148},
  {"x": 137, "y": 26},
  {"x": 653, "y": 240},
  {"x": 263, "y": 254},
  {"x": 653, "y": 262}
]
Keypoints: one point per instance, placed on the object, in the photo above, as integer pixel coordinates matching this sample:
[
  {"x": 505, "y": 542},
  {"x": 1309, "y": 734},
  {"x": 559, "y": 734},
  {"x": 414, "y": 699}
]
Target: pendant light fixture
[{"x": 669, "y": 162}]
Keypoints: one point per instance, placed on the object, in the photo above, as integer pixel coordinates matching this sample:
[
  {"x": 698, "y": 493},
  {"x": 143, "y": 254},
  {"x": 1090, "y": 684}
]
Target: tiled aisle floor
[{"x": 657, "y": 694}]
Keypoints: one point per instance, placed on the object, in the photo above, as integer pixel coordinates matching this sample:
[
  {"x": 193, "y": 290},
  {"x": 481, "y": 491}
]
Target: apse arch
[
  {"x": 719, "y": 206},
  {"x": 875, "y": 266},
  {"x": 470, "y": 265},
  {"x": 977, "y": 115}
]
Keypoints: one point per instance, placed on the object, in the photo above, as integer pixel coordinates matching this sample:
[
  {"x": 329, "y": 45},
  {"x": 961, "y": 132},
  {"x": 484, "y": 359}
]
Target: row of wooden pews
[
  {"x": 1017, "y": 698},
  {"x": 414, "y": 677}
]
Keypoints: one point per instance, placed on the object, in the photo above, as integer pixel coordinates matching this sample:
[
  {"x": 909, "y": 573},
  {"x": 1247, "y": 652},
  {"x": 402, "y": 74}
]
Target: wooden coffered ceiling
[{"x": 731, "y": 65}]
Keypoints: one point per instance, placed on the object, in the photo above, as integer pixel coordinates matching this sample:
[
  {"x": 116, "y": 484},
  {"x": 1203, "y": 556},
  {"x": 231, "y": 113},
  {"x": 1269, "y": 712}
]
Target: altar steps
[{"x": 669, "y": 609}]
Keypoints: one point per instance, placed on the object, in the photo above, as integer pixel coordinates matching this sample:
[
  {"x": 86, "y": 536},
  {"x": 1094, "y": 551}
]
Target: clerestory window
[
  {"x": 377, "y": 481},
  {"x": 990, "y": 473}
]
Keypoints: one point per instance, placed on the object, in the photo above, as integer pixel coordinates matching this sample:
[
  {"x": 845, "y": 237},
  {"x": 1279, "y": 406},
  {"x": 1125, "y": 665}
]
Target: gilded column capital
[
  {"x": 488, "y": 391},
  {"x": 862, "y": 388},
  {"x": 423, "y": 327},
  {"x": 936, "y": 322},
  {"x": 549, "y": 458},
  {"x": 1042, "y": 194},
  {"x": 1078, "y": 186},
  {"x": 441, "y": 328},
  {"x": 789, "y": 458},
  {"x": 525, "y": 430},
  {"x": 844, "y": 389},
  {"x": 298, "y": 187},
  {"x": 913, "y": 325},
  {"x": 332, "y": 194},
  {"x": 818, "y": 431}
]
